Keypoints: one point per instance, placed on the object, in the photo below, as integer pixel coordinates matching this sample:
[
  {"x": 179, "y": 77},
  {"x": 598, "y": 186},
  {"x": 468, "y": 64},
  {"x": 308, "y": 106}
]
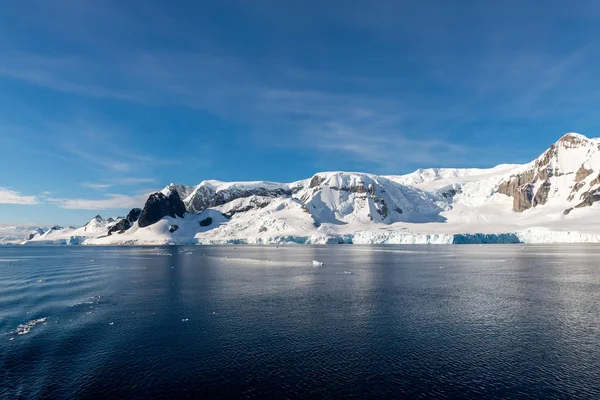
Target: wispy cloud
[
  {"x": 386, "y": 149},
  {"x": 96, "y": 186},
  {"x": 123, "y": 181},
  {"x": 8, "y": 196},
  {"x": 109, "y": 202}
]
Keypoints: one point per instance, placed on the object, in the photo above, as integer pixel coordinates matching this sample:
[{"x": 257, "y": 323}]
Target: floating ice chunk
[
  {"x": 348, "y": 272},
  {"x": 185, "y": 319},
  {"x": 214, "y": 313},
  {"x": 317, "y": 263},
  {"x": 41, "y": 281},
  {"x": 24, "y": 329},
  {"x": 111, "y": 323}
]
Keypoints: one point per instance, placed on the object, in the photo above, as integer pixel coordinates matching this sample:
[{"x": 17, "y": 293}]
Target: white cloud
[
  {"x": 8, "y": 196},
  {"x": 97, "y": 186},
  {"x": 111, "y": 201},
  {"x": 116, "y": 182}
]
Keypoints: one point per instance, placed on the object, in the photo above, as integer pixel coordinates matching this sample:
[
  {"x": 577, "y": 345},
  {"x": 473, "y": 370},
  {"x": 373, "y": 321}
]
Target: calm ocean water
[{"x": 450, "y": 322}]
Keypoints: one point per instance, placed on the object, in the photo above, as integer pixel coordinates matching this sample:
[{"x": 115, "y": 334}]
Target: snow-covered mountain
[
  {"x": 551, "y": 199},
  {"x": 17, "y": 234}
]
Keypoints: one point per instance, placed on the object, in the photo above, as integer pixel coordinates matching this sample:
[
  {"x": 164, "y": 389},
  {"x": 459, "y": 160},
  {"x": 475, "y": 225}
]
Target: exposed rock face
[
  {"x": 206, "y": 222},
  {"x": 595, "y": 181},
  {"x": 206, "y": 197},
  {"x": 173, "y": 228},
  {"x": 589, "y": 198},
  {"x": 523, "y": 198},
  {"x": 521, "y": 186},
  {"x": 253, "y": 203},
  {"x": 582, "y": 173},
  {"x": 576, "y": 188},
  {"x": 134, "y": 215},
  {"x": 541, "y": 197},
  {"x": 35, "y": 233},
  {"x": 316, "y": 181},
  {"x": 126, "y": 222},
  {"x": 159, "y": 206}
]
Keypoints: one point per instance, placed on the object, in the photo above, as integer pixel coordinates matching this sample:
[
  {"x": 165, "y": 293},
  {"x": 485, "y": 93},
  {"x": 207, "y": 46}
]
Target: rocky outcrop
[
  {"x": 576, "y": 188},
  {"x": 541, "y": 196},
  {"x": 206, "y": 222},
  {"x": 159, "y": 206},
  {"x": 316, "y": 181},
  {"x": 521, "y": 186},
  {"x": 37, "y": 232},
  {"x": 589, "y": 198},
  {"x": 126, "y": 222},
  {"x": 173, "y": 228},
  {"x": 253, "y": 203},
  {"x": 582, "y": 173},
  {"x": 206, "y": 197},
  {"x": 523, "y": 198},
  {"x": 595, "y": 181}
]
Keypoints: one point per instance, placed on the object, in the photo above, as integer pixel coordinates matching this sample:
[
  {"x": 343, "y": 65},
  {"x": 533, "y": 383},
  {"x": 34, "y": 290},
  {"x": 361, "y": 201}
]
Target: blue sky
[{"x": 102, "y": 102}]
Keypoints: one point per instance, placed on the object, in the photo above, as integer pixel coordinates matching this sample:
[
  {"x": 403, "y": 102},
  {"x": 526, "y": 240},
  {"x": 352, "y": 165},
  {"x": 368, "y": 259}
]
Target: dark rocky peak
[
  {"x": 126, "y": 222},
  {"x": 316, "y": 181},
  {"x": 36, "y": 232},
  {"x": 159, "y": 206},
  {"x": 134, "y": 215},
  {"x": 56, "y": 228}
]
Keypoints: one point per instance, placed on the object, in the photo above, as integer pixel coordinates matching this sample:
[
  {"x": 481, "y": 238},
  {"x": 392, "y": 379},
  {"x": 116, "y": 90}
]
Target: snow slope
[{"x": 551, "y": 199}]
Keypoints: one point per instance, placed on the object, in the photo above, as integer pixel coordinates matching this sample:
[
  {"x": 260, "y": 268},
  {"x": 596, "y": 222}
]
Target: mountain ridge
[{"x": 551, "y": 198}]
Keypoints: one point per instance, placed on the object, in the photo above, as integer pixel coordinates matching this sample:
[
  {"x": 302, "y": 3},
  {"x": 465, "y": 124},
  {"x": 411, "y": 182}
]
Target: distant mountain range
[{"x": 551, "y": 199}]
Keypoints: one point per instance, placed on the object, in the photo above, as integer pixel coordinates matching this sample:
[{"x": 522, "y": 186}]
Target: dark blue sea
[{"x": 250, "y": 322}]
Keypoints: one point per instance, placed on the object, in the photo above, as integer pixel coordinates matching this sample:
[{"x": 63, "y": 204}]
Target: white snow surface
[{"x": 429, "y": 206}]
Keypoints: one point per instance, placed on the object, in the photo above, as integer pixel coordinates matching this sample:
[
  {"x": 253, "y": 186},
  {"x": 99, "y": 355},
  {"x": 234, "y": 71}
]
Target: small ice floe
[
  {"x": 185, "y": 319},
  {"x": 11, "y": 339},
  {"x": 348, "y": 272},
  {"x": 41, "y": 281},
  {"x": 91, "y": 260},
  {"x": 111, "y": 323},
  {"x": 214, "y": 313},
  {"x": 24, "y": 329},
  {"x": 317, "y": 263}
]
